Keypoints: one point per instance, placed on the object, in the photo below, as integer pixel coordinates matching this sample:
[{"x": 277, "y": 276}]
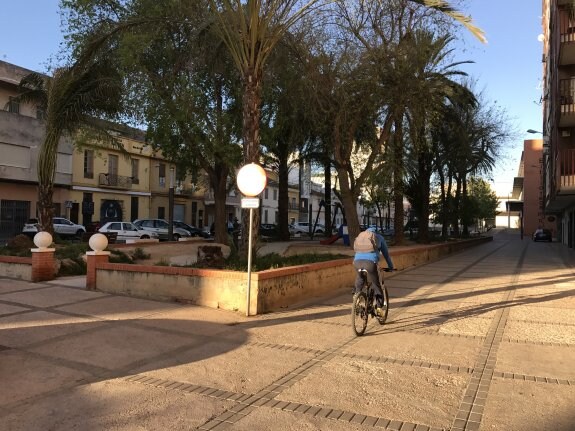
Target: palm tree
[
  {"x": 431, "y": 86},
  {"x": 251, "y": 30},
  {"x": 71, "y": 100}
]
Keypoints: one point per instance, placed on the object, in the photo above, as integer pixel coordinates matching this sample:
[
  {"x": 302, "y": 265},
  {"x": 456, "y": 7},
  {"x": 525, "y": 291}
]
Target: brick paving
[{"x": 481, "y": 340}]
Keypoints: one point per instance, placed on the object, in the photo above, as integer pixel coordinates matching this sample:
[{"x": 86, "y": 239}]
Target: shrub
[
  {"x": 20, "y": 245},
  {"x": 118, "y": 256},
  {"x": 274, "y": 260},
  {"x": 140, "y": 254}
]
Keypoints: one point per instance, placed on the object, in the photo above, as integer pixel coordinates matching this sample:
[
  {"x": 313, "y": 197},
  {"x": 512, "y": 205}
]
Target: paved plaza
[{"x": 481, "y": 340}]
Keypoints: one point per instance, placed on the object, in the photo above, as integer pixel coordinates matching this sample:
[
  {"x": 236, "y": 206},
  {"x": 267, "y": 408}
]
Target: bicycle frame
[{"x": 364, "y": 303}]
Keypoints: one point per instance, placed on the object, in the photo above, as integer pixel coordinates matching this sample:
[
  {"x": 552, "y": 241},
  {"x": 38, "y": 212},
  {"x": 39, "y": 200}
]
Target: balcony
[
  {"x": 567, "y": 38},
  {"x": 113, "y": 181},
  {"x": 566, "y": 164},
  {"x": 209, "y": 199},
  {"x": 567, "y": 102}
]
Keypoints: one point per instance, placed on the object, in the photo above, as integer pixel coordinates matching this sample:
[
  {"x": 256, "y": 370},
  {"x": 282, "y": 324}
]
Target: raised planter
[{"x": 271, "y": 290}]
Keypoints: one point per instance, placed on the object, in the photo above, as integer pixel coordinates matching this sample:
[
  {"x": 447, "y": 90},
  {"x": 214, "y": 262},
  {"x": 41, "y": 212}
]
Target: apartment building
[
  {"x": 109, "y": 184},
  {"x": 21, "y": 137},
  {"x": 558, "y": 150},
  {"x": 532, "y": 193}
]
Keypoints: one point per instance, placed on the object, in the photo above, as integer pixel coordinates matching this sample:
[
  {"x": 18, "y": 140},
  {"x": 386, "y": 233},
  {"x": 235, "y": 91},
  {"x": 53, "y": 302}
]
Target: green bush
[
  {"x": 140, "y": 254},
  {"x": 69, "y": 250},
  {"x": 274, "y": 260},
  {"x": 118, "y": 256}
]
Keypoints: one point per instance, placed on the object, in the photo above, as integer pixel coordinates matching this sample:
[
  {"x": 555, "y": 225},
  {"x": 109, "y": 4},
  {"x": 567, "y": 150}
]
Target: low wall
[
  {"x": 16, "y": 267},
  {"x": 210, "y": 288},
  {"x": 270, "y": 290}
]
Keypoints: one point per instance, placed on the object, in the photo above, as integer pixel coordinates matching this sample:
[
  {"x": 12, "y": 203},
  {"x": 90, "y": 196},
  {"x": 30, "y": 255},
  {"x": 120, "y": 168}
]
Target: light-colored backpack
[{"x": 365, "y": 242}]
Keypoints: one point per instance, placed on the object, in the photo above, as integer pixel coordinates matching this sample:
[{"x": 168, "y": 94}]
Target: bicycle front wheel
[
  {"x": 359, "y": 313},
  {"x": 383, "y": 317}
]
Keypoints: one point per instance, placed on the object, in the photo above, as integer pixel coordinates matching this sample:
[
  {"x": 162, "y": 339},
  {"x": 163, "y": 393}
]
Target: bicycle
[{"x": 364, "y": 303}]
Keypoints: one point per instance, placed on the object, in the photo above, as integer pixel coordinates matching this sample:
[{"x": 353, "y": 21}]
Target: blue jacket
[{"x": 374, "y": 255}]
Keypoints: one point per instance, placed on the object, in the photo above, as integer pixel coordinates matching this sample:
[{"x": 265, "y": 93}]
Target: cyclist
[{"x": 368, "y": 260}]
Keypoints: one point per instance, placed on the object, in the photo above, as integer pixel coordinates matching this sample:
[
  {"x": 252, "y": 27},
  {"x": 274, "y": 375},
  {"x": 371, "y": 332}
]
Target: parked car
[
  {"x": 304, "y": 227},
  {"x": 160, "y": 226},
  {"x": 194, "y": 231},
  {"x": 269, "y": 230},
  {"x": 127, "y": 230},
  {"x": 62, "y": 227},
  {"x": 542, "y": 235}
]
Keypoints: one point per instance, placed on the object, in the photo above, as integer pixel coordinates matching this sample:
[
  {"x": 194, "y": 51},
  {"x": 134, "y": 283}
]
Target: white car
[
  {"x": 304, "y": 227},
  {"x": 62, "y": 227},
  {"x": 126, "y": 231},
  {"x": 160, "y": 227}
]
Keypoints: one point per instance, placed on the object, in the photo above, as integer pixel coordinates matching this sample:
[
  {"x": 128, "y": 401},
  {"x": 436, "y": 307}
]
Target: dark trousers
[{"x": 372, "y": 276}]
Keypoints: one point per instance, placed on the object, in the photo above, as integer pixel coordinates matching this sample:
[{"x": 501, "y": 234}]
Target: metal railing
[
  {"x": 115, "y": 181},
  {"x": 567, "y": 168},
  {"x": 566, "y": 26},
  {"x": 567, "y": 95}
]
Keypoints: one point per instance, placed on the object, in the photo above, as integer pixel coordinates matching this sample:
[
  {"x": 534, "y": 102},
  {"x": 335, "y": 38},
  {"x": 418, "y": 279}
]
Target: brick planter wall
[
  {"x": 271, "y": 290},
  {"x": 16, "y": 267}
]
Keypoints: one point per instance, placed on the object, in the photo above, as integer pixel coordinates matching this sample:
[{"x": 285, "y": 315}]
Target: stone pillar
[
  {"x": 93, "y": 259},
  {"x": 98, "y": 243},
  {"x": 43, "y": 264}
]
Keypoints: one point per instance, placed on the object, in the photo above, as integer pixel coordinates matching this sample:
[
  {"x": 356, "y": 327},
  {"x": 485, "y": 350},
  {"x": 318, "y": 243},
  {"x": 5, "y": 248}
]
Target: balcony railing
[
  {"x": 567, "y": 166},
  {"x": 566, "y": 26},
  {"x": 115, "y": 181},
  {"x": 567, "y": 95}
]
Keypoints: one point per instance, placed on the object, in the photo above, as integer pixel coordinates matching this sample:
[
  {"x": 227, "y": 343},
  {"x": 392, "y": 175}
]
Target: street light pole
[
  {"x": 171, "y": 206},
  {"x": 251, "y": 180}
]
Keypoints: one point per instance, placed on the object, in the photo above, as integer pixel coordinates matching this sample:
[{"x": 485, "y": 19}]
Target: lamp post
[
  {"x": 171, "y": 206},
  {"x": 251, "y": 181}
]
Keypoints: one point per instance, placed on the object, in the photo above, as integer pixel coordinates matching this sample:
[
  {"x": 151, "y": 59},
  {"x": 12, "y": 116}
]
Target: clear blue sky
[{"x": 508, "y": 68}]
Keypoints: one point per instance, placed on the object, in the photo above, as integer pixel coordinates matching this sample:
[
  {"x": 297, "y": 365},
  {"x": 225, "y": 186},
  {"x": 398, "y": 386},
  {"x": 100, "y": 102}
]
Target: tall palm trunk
[
  {"x": 46, "y": 173},
  {"x": 398, "y": 170},
  {"x": 283, "y": 198},
  {"x": 349, "y": 202},
  {"x": 219, "y": 183},
  {"x": 327, "y": 195},
  {"x": 251, "y": 113}
]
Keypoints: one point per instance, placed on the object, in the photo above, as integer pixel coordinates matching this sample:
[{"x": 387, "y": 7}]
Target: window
[
  {"x": 135, "y": 170},
  {"x": 266, "y": 193},
  {"x": 112, "y": 164},
  {"x": 266, "y": 214},
  {"x": 88, "y": 164},
  {"x": 13, "y": 105},
  {"x": 162, "y": 211},
  {"x": 115, "y": 226},
  {"x": 162, "y": 175},
  {"x": 275, "y": 194}
]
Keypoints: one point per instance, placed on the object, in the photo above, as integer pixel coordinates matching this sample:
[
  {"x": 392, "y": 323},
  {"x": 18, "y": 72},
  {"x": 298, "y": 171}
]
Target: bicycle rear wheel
[
  {"x": 385, "y": 308},
  {"x": 359, "y": 313}
]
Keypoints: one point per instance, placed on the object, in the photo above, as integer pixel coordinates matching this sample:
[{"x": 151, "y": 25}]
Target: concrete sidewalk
[{"x": 484, "y": 339}]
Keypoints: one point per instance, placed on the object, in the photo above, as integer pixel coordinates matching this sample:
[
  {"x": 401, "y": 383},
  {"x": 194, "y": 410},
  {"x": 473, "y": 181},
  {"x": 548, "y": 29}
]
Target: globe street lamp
[{"x": 251, "y": 181}]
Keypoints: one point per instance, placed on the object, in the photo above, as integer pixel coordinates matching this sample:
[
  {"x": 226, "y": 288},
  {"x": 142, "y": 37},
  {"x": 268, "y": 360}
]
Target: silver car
[
  {"x": 160, "y": 227},
  {"x": 62, "y": 227},
  {"x": 127, "y": 230}
]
